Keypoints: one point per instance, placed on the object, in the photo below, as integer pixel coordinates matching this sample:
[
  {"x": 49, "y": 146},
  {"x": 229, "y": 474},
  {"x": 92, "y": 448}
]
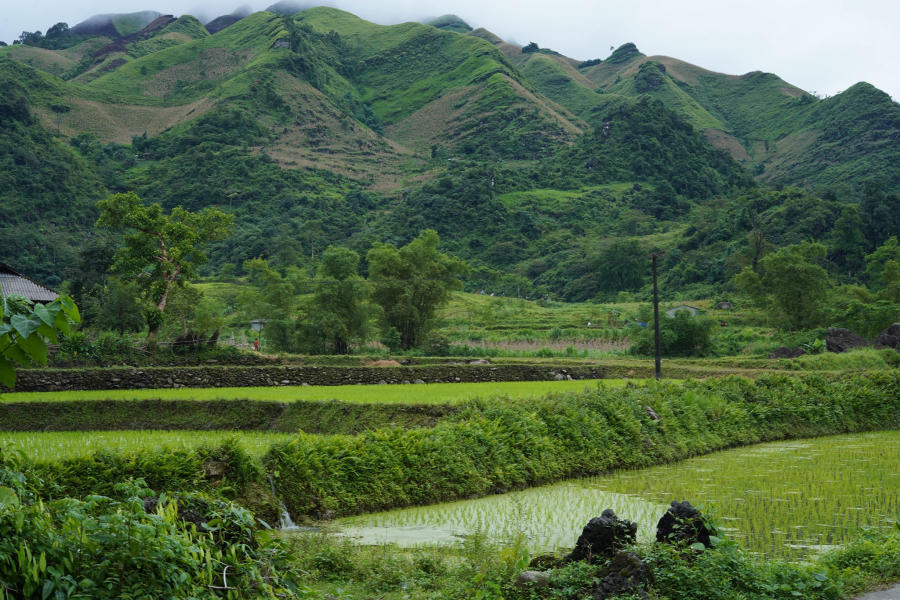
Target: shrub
[
  {"x": 681, "y": 335},
  {"x": 99, "y": 547}
]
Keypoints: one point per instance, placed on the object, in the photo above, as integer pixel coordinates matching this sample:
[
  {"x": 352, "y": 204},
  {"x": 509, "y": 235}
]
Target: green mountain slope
[
  {"x": 48, "y": 193},
  {"x": 435, "y": 87},
  {"x": 318, "y": 127}
]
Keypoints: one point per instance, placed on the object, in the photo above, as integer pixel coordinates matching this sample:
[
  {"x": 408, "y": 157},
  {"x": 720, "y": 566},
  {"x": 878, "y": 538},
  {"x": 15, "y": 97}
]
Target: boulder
[
  {"x": 684, "y": 524},
  {"x": 626, "y": 573},
  {"x": 787, "y": 352},
  {"x": 545, "y": 562},
  {"x": 890, "y": 337},
  {"x": 839, "y": 339},
  {"x": 532, "y": 579},
  {"x": 602, "y": 537}
]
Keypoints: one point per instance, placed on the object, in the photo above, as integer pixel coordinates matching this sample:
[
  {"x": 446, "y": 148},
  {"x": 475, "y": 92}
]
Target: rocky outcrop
[
  {"x": 890, "y": 337},
  {"x": 787, "y": 352},
  {"x": 839, "y": 339},
  {"x": 602, "y": 537},
  {"x": 626, "y": 573},
  {"x": 684, "y": 524}
]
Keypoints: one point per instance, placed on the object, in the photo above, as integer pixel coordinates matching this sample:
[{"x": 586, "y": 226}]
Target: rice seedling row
[
  {"x": 62, "y": 445},
  {"x": 428, "y": 393}
]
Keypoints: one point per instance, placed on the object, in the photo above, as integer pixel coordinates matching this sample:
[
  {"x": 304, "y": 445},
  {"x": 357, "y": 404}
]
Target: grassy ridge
[
  {"x": 235, "y": 414},
  {"x": 429, "y": 393},
  {"x": 64, "y": 445},
  {"x": 499, "y": 446}
]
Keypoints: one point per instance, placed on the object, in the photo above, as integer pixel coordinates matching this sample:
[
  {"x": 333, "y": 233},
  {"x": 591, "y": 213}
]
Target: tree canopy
[
  {"x": 792, "y": 284},
  {"x": 160, "y": 250},
  {"x": 411, "y": 282}
]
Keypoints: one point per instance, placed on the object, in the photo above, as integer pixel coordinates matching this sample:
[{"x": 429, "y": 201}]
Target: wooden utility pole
[{"x": 657, "y": 355}]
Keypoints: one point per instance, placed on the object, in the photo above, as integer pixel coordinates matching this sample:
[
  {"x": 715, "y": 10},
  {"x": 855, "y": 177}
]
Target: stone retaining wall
[{"x": 29, "y": 380}]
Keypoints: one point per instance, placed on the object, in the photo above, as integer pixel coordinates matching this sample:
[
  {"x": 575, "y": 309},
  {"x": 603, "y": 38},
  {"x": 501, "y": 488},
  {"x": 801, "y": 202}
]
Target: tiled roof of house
[{"x": 13, "y": 282}]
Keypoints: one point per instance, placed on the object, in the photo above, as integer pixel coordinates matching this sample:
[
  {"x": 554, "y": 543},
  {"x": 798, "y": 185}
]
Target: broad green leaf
[
  {"x": 8, "y": 497},
  {"x": 15, "y": 354},
  {"x": 44, "y": 314},
  {"x": 24, "y": 325},
  {"x": 7, "y": 373},
  {"x": 48, "y": 332},
  {"x": 35, "y": 347}
]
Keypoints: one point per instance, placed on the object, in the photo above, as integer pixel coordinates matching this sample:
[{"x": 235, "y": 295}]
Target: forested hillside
[{"x": 550, "y": 176}]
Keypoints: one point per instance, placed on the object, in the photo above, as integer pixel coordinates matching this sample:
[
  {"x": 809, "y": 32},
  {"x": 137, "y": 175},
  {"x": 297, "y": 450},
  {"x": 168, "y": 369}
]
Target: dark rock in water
[
  {"x": 626, "y": 573},
  {"x": 683, "y": 524},
  {"x": 890, "y": 337},
  {"x": 839, "y": 339},
  {"x": 602, "y": 537},
  {"x": 787, "y": 352}
]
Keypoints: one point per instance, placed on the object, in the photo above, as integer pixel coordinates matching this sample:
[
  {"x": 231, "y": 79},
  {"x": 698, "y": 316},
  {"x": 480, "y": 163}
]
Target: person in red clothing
[{"x": 256, "y": 344}]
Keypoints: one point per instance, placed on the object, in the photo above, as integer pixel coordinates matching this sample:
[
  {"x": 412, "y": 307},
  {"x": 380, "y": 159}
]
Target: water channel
[{"x": 785, "y": 499}]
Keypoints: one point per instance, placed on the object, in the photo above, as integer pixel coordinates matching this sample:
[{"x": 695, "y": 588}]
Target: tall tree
[
  {"x": 411, "y": 282},
  {"x": 160, "y": 250},
  {"x": 792, "y": 285},
  {"x": 339, "y": 307}
]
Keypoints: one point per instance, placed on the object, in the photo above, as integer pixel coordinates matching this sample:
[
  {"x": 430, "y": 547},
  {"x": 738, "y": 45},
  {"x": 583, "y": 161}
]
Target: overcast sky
[{"x": 821, "y": 46}]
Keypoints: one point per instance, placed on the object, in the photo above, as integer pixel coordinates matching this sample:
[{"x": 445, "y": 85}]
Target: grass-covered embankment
[
  {"x": 320, "y": 417},
  {"x": 500, "y": 445},
  {"x": 313, "y": 409}
]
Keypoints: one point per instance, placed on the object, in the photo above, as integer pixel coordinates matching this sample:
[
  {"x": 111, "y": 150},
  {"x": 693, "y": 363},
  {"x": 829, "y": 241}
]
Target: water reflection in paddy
[{"x": 785, "y": 499}]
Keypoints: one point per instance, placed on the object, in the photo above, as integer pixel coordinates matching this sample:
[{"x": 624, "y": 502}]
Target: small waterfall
[{"x": 284, "y": 520}]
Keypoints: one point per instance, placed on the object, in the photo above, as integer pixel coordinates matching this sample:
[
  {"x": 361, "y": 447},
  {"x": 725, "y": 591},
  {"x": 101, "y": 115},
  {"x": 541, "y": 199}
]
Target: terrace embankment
[
  {"x": 238, "y": 414},
  {"x": 493, "y": 445},
  {"x": 46, "y": 380},
  {"x": 106, "y": 378}
]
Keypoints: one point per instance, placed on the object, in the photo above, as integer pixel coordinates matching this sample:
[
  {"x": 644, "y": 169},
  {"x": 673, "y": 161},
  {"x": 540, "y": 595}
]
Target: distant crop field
[
  {"x": 60, "y": 445},
  {"x": 427, "y": 393}
]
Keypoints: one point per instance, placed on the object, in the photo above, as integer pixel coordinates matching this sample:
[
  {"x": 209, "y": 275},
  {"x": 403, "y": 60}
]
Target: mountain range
[{"x": 315, "y": 127}]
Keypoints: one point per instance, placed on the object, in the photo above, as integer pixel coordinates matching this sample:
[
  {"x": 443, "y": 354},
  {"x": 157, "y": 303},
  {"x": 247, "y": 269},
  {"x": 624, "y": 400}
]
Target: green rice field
[
  {"x": 788, "y": 499},
  {"x": 426, "y": 393},
  {"x": 60, "y": 445}
]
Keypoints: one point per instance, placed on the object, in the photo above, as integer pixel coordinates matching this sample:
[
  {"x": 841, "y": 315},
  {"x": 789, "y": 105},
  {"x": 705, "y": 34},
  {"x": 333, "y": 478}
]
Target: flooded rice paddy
[{"x": 786, "y": 499}]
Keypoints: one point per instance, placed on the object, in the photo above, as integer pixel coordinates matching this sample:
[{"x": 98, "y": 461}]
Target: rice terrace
[{"x": 295, "y": 304}]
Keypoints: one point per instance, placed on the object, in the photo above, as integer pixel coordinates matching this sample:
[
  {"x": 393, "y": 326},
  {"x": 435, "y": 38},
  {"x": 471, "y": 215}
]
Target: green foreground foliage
[
  {"x": 486, "y": 447},
  {"x": 478, "y": 569},
  {"x": 142, "y": 545},
  {"x": 26, "y": 328}
]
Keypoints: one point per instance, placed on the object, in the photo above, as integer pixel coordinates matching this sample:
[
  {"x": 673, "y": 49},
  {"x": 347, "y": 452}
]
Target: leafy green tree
[
  {"x": 160, "y": 250},
  {"x": 275, "y": 295},
  {"x": 792, "y": 284},
  {"x": 848, "y": 244},
  {"x": 877, "y": 261},
  {"x": 339, "y": 308},
  {"x": 117, "y": 306},
  {"x": 681, "y": 335},
  {"x": 623, "y": 266},
  {"x": 411, "y": 282},
  {"x": 25, "y": 329}
]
